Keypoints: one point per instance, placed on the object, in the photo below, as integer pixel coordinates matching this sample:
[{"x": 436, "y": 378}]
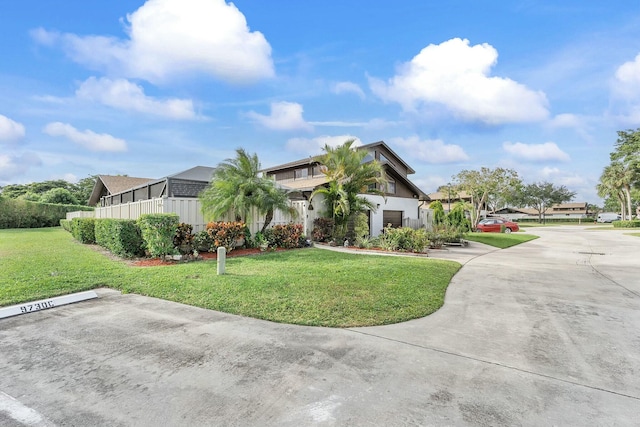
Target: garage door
[{"x": 392, "y": 217}]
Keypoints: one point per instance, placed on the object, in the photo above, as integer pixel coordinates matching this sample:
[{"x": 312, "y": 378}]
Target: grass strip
[{"x": 500, "y": 240}]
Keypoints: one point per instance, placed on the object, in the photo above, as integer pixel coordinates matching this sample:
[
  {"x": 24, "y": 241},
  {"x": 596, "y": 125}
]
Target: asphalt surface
[{"x": 544, "y": 333}]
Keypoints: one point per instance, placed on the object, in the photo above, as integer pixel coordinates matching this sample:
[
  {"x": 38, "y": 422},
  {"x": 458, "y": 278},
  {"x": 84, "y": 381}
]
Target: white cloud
[
  {"x": 284, "y": 116},
  {"x": 124, "y": 95},
  {"x": 87, "y": 139},
  {"x": 314, "y": 146},
  {"x": 627, "y": 79},
  {"x": 10, "y": 130},
  {"x": 431, "y": 150},
  {"x": 170, "y": 38},
  {"x": 456, "y": 76},
  {"x": 559, "y": 177},
  {"x": 548, "y": 151},
  {"x": 12, "y": 166},
  {"x": 347, "y": 87}
]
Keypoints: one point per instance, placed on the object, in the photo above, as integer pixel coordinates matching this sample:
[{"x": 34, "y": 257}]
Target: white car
[{"x": 608, "y": 217}]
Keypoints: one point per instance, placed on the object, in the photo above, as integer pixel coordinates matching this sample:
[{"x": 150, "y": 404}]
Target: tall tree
[
  {"x": 626, "y": 160},
  {"x": 237, "y": 186},
  {"x": 615, "y": 182},
  {"x": 542, "y": 195},
  {"x": 485, "y": 184},
  {"x": 349, "y": 178}
]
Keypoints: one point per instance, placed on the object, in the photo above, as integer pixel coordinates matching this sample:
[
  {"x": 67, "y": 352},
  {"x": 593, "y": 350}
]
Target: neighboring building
[
  {"x": 128, "y": 198},
  {"x": 403, "y": 197},
  {"x": 107, "y": 185},
  {"x": 187, "y": 183},
  {"x": 448, "y": 199},
  {"x": 560, "y": 211}
]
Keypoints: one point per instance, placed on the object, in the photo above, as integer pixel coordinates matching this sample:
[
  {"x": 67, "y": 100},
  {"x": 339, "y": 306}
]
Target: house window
[
  {"x": 384, "y": 159},
  {"x": 301, "y": 173},
  {"x": 317, "y": 170},
  {"x": 390, "y": 187},
  {"x": 369, "y": 157}
]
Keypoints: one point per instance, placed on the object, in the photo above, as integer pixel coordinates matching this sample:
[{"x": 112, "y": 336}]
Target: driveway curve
[{"x": 544, "y": 333}]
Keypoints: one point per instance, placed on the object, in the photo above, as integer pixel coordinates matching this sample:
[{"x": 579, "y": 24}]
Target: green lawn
[
  {"x": 500, "y": 240},
  {"x": 306, "y": 286}
]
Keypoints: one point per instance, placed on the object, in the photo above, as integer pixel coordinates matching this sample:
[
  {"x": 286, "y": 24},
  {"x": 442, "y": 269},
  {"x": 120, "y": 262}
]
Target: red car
[{"x": 496, "y": 225}]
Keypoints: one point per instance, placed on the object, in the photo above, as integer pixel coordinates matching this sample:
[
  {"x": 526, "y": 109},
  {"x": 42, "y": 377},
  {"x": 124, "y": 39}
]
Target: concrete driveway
[{"x": 545, "y": 333}]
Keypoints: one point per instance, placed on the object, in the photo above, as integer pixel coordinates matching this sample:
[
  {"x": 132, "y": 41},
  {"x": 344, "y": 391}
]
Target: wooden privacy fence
[{"x": 188, "y": 209}]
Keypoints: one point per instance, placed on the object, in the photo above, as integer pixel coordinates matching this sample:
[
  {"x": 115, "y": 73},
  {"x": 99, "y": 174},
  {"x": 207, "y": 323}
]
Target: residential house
[
  {"x": 578, "y": 210},
  {"x": 400, "y": 207},
  {"x": 449, "y": 198}
]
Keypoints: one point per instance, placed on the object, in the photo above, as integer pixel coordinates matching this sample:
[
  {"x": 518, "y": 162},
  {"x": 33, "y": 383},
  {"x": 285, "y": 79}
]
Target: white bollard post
[{"x": 222, "y": 259}]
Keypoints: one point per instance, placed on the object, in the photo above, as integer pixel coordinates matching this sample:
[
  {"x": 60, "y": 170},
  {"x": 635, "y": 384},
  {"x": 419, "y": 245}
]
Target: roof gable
[{"x": 112, "y": 184}]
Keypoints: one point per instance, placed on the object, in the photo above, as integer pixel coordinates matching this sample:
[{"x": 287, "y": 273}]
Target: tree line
[{"x": 56, "y": 191}]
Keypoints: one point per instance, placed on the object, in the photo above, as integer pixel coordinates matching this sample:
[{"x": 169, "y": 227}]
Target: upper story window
[
  {"x": 390, "y": 187},
  {"x": 369, "y": 157},
  {"x": 317, "y": 170},
  {"x": 301, "y": 173}
]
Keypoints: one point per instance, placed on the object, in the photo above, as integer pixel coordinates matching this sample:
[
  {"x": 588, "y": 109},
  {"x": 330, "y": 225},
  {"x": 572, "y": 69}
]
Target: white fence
[
  {"x": 188, "y": 209},
  {"x": 80, "y": 214}
]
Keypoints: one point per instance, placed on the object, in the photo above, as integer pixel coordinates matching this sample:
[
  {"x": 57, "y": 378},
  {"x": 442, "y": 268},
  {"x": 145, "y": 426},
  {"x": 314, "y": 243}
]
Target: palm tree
[
  {"x": 236, "y": 187},
  {"x": 615, "y": 182},
  {"x": 349, "y": 177},
  {"x": 270, "y": 198}
]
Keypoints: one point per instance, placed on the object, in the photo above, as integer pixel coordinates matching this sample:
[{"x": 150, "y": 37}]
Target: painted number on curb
[{"x": 43, "y": 305}]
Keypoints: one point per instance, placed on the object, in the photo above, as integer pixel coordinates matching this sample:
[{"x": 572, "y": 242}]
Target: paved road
[{"x": 545, "y": 333}]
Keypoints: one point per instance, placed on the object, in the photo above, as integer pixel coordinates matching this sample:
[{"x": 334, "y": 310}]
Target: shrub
[
  {"x": 157, "y": 232},
  {"x": 65, "y": 224},
  {"x": 225, "y": 234},
  {"x": 443, "y": 234},
  {"x": 404, "y": 239},
  {"x": 202, "y": 242},
  {"x": 456, "y": 218},
  {"x": 438, "y": 212},
  {"x": 120, "y": 236},
  {"x": 183, "y": 238},
  {"x": 83, "y": 230},
  {"x": 633, "y": 223},
  {"x": 286, "y": 236},
  {"x": 360, "y": 226},
  {"x": 16, "y": 213},
  {"x": 323, "y": 229}
]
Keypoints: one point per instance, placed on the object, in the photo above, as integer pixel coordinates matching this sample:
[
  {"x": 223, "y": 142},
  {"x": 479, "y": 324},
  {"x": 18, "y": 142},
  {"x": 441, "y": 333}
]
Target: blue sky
[{"x": 151, "y": 88}]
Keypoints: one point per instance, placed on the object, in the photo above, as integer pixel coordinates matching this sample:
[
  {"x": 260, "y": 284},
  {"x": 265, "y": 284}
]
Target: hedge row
[
  {"x": 634, "y": 223},
  {"x": 120, "y": 236},
  {"x": 161, "y": 234},
  {"x": 552, "y": 220},
  {"x": 16, "y": 213},
  {"x": 84, "y": 230}
]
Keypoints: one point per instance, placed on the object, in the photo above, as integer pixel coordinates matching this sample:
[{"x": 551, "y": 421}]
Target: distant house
[
  {"x": 401, "y": 206},
  {"x": 579, "y": 210},
  {"x": 448, "y": 199}
]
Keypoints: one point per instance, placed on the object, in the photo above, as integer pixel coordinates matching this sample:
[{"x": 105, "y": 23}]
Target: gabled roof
[
  {"x": 441, "y": 195},
  {"x": 113, "y": 184},
  {"x": 197, "y": 173},
  {"x": 384, "y": 144},
  {"x": 315, "y": 159}
]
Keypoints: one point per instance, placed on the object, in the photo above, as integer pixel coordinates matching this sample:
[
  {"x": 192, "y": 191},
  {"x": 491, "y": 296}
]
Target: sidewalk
[{"x": 453, "y": 253}]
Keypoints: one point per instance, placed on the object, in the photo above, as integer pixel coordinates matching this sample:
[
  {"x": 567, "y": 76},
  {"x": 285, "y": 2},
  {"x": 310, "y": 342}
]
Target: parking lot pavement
[{"x": 544, "y": 333}]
